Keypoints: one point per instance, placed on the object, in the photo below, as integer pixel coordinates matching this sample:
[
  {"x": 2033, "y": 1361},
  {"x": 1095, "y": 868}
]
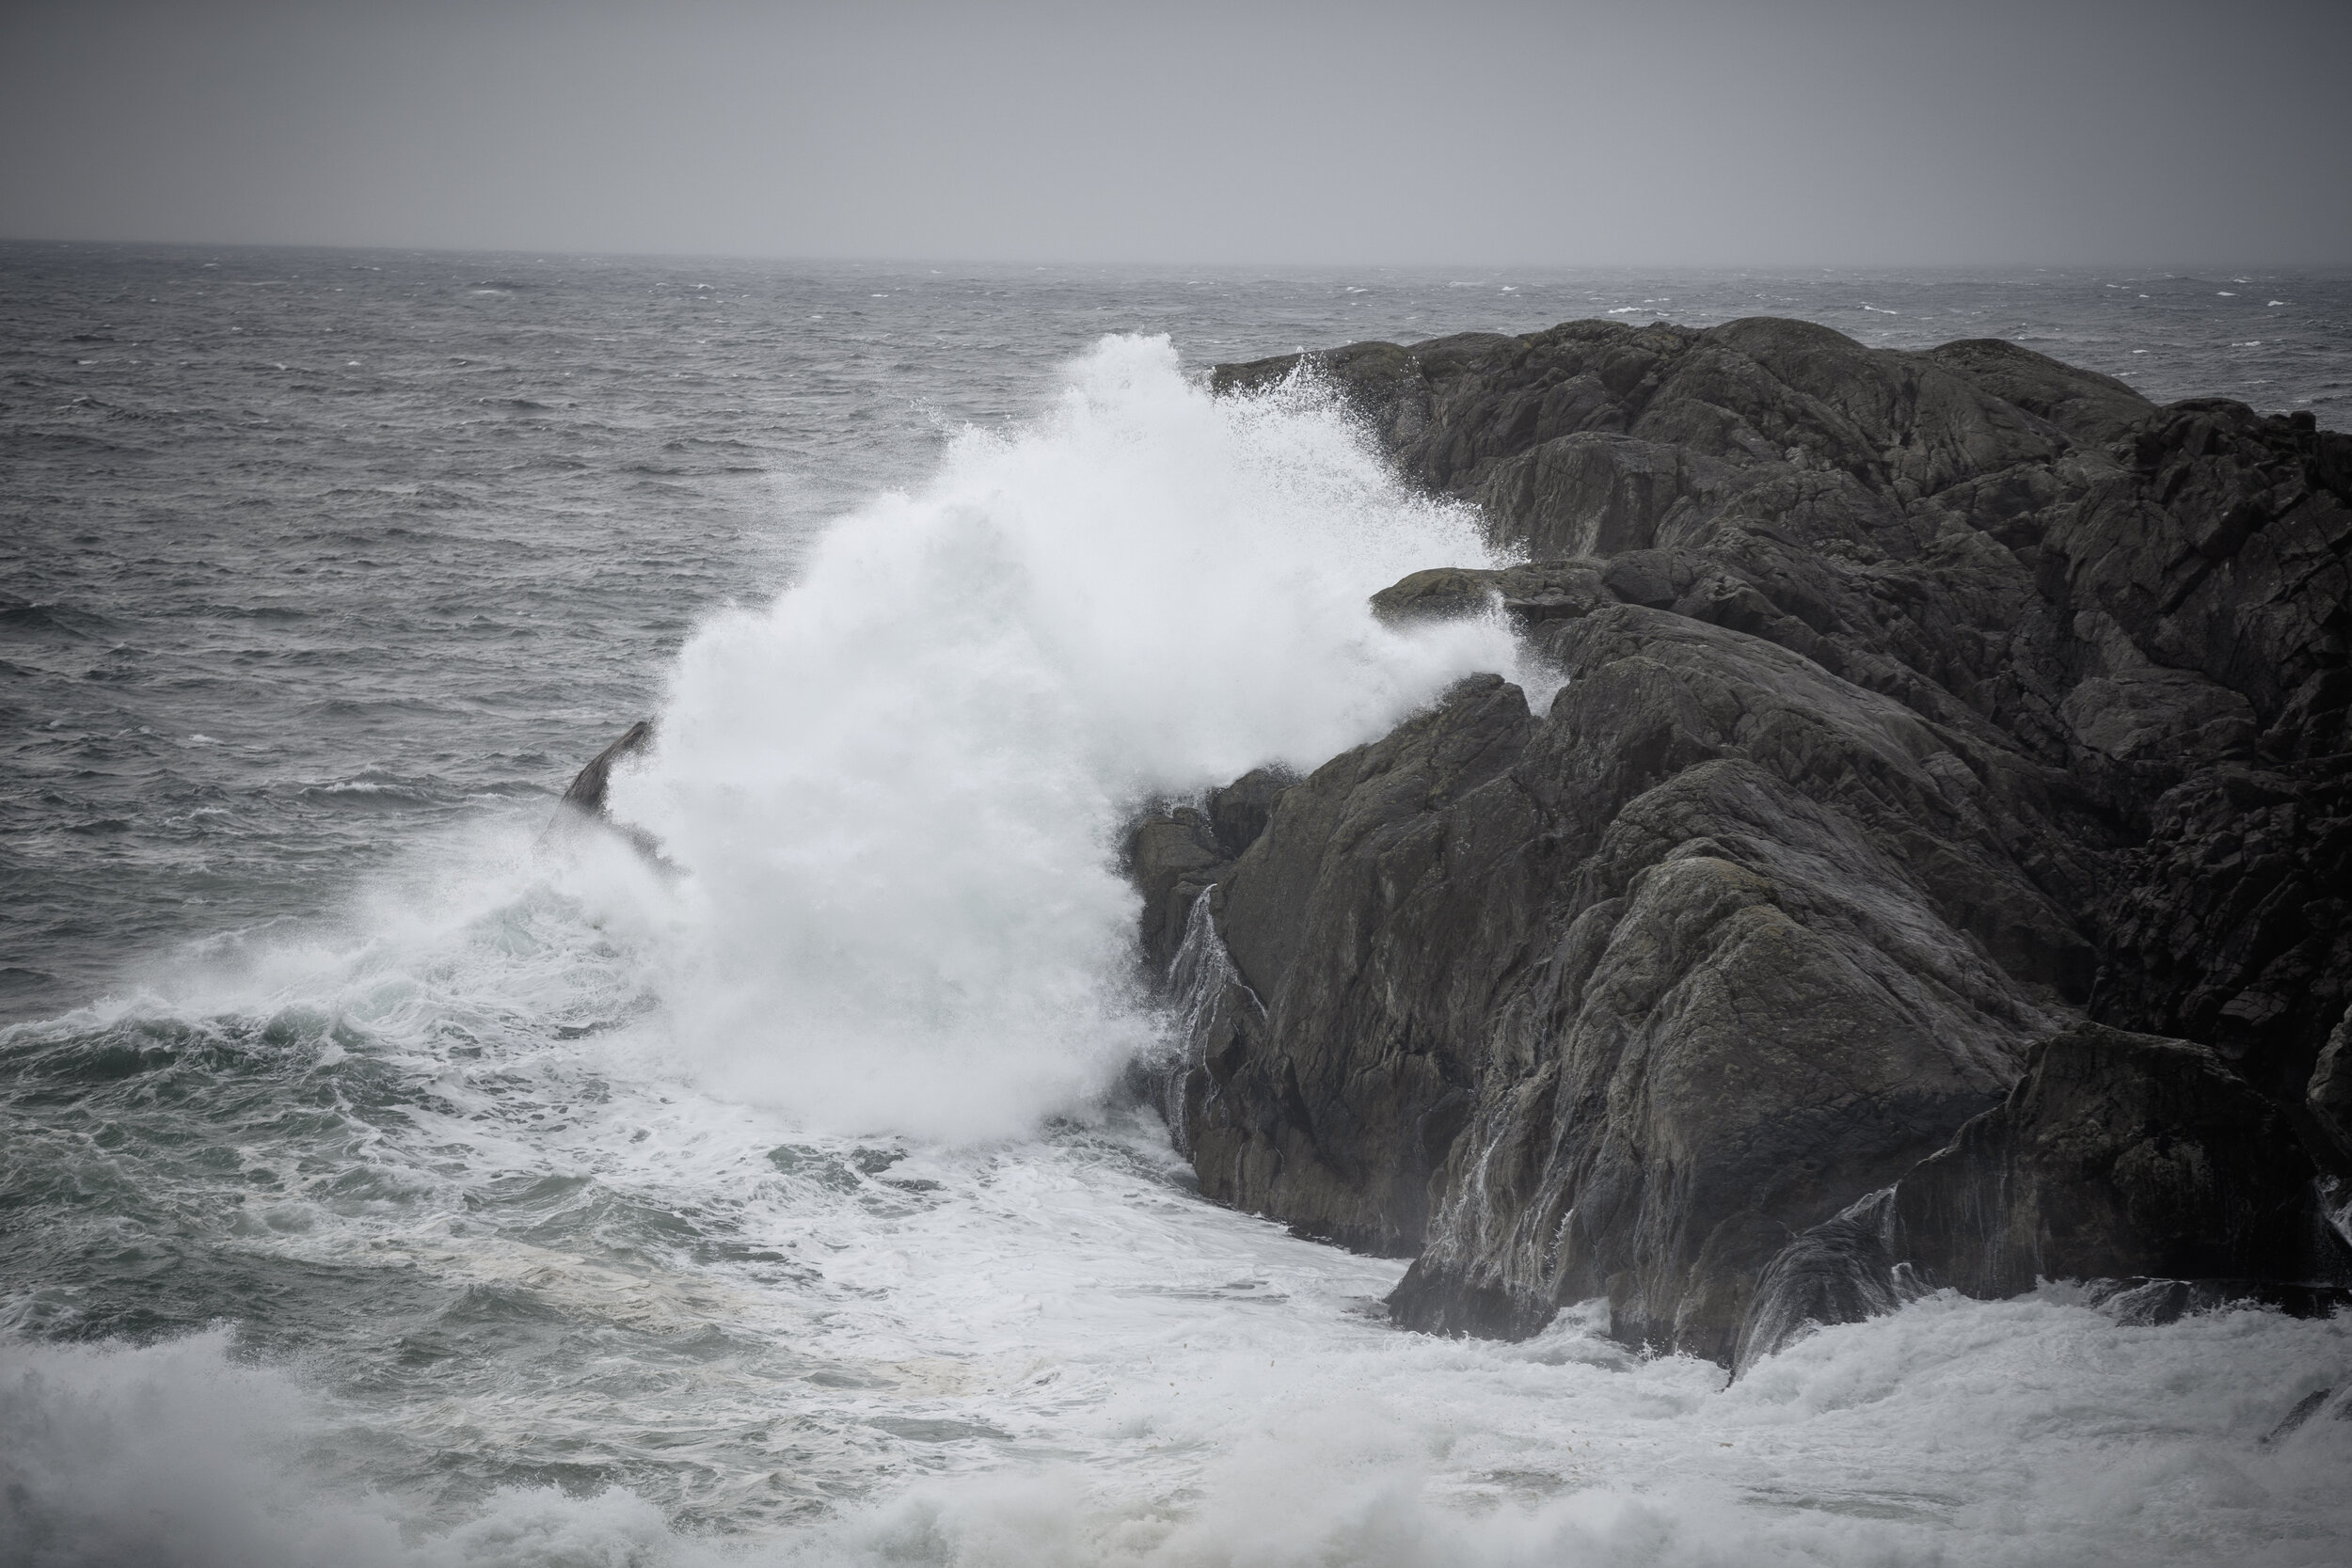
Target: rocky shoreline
[{"x": 1935, "y": 871}]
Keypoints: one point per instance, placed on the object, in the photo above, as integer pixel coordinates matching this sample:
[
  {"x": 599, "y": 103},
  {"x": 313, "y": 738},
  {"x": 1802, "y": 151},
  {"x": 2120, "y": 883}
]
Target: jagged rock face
[
  {"x": 1647, "y": 985},
  {"x": 2127, "y": 1159},
  {"x": 2117, "y": 1155},
  {"x": 1916, "y": 706},
  {"x": 2228, "y": 923},
  {"x": 1540, "y": 590},
  {"x": 1174, "y": 857},
  {"x": 1376, "y": 923}
]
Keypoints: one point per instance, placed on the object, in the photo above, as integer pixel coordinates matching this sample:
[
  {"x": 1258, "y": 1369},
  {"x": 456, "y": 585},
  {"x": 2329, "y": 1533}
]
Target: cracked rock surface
[{"x": 1919, "y": 709}]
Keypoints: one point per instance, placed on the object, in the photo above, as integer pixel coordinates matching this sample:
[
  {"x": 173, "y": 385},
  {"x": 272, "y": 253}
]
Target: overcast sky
[{"x": 1571, "y": 133}]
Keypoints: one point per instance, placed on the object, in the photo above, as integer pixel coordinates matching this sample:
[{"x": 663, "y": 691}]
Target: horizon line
[{"x": 542, "y": 254}]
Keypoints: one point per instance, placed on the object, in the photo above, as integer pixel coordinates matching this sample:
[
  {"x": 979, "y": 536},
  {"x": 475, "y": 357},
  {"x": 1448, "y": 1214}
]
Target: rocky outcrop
[
  {"x": 2140, "y": 1163},
  {"x": 1918, "y": 706}
]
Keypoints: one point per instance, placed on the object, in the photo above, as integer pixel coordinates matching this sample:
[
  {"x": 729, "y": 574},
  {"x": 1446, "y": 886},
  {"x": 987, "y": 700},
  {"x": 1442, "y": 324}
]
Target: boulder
[{"x": 1535, "y": 591}]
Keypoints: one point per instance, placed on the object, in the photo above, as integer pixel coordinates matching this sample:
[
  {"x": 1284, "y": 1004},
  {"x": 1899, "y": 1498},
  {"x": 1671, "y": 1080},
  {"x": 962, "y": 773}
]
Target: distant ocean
[{"x": 384, "y": 1183}]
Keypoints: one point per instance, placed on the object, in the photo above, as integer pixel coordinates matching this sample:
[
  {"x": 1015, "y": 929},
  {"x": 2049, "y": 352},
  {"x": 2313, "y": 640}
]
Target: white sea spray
[{"x": 897, "y": 790}]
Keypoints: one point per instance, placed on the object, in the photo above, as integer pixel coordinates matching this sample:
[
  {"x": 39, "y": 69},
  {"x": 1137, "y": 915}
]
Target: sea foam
[{"x": 2033, "y": 1433}]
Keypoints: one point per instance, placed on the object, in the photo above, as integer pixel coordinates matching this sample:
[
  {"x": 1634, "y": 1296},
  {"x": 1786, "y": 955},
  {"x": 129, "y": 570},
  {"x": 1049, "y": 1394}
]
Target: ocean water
[{"x": 383, "y": 1180}]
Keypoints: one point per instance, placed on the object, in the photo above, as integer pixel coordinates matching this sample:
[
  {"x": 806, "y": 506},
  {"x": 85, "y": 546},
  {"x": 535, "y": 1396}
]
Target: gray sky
[{"x": 1580, "y": 132}]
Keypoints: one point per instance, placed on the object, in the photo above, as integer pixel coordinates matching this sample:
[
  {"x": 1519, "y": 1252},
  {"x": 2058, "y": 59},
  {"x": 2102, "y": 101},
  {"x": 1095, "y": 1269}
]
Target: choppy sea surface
[{"x": 385, "y": 1181}]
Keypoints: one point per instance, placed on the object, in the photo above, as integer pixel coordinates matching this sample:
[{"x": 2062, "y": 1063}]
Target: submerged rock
[{"x": 1919, "y": 707}]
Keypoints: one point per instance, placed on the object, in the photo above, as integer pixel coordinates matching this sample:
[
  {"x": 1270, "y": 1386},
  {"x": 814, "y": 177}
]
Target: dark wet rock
[
  {"x": 1839, "y": 1272},
  {"x": 1372, "y": 825},
  {"x": 587, "y": 791},
  {"x": 2305, "y": 1408},
  {"x": 2091, "y": 409},
  {"x": 2141, "y": 1162},
  {"x": 1919, "y": 707},
  {"x": 2329, "y": 1094},
  {"x": 1437, "y": 594},
  {"x": 1172, "y": 857},
  {"x": 1175, "y": 855},
  {"x": 2231, "y": 923},
  {"x": 584, "y": 803},
  {"x": 1665, "y": 973},
  {"x": 2118, "y": 1155},
  {"x": 1541, "y": 590},
  {"x": 2147, "y": 1303},
  {"x": 2319, "y": 1405},
  {"x": 1238, "y": 814}
]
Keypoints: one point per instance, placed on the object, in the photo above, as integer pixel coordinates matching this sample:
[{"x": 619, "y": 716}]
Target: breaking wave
[{"x": 897, "y": 791}]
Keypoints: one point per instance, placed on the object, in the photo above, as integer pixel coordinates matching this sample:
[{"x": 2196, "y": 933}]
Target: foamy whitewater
[
  {"x": 897, "y": 790},
  {"x": 514, "y": 1200}
]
